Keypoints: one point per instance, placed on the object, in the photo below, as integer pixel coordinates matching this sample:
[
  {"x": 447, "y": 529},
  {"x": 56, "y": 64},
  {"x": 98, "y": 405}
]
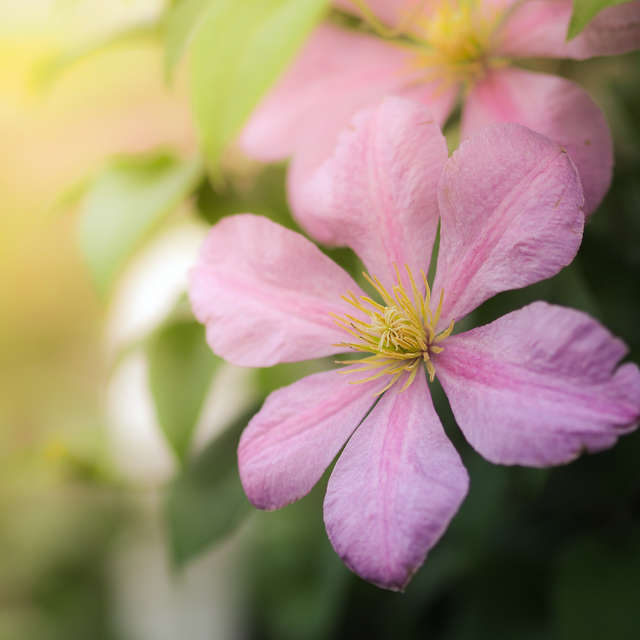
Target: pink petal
[
  {"x": 322, "y": 138},
  {"x": 265, "y": 293},
  {"x": 539, "y": 28},
  {"x": 554, "y": 107},
  {"x": 287, "y": 446},
  {"x": 510, "y": 207},
  {"x": 378, "y": 192},
  {"x": 394, "y": 489},
  {"x": 539, "y": 386},
  {"x": 337, "y": 72}
]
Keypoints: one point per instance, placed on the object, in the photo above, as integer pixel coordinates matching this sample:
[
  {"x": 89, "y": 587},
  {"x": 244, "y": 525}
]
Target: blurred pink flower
[
  {"x": 449, "y": 46},
  {"x": 535, "y": 387}
]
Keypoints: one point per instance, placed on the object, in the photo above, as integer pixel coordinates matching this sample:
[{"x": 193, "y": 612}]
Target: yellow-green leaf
[
  {"x": 205, "y": 501},
  {"x": 238, "y": 51},
  {"x": 125, "y": 202},
  {"x": 181, "y": 22},
  {"x": 181, "y": 367},
  {"x": 49, "y": 69},
  {"x": 584, "y": 11}
]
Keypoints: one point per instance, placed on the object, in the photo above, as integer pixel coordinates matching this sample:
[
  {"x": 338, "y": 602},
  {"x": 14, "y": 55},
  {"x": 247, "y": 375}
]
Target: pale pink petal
[
  {"x": 321, "y": 138},
  {"x": 394, "y": 489},
  {"x": 554, "y": 107},
  {"x": 378, "y": 192},
  {"x": 539, "y": 386},
  {"x": 539, "y": 28},
  {"x": 338, "y": 72},
  {"x": 511, "y": 215},
  {"x": 287, "y": 446},
  {"x": 265, "y": 293}
]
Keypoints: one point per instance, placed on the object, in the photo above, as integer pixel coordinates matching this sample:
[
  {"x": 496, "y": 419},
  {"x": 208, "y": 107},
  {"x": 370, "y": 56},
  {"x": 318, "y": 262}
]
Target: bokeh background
[{"x": 98, "y": 537}]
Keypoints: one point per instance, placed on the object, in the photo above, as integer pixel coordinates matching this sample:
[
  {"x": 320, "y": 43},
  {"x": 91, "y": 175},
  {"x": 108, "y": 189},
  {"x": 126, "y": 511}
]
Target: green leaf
[
  {"x": 238, "y": 51},
  {"x": 205, "y": 501},
  {"x": 263, "y": 194},
  {"x": 584, "y": 11},
  {"x": 181, "y": 22},
  {"x": 297, "y": 580},
  {"x": 596, "y": 588},
  {"x": 52, "y": 67},
  {"x": 70, "y": 196},
  {"x": 181, "y": 368},
  {"x": 125, "y": 202}
]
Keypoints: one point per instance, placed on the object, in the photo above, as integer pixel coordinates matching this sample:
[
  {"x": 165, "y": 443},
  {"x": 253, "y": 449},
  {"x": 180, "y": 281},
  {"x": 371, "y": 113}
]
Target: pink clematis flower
[
  {"x": 536, "y": 387},
  {"x": 448, "y": 47}
]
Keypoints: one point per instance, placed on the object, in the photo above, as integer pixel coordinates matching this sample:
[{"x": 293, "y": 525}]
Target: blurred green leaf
[
  {"x": 298, "y": 582},
  {"x": 280, "y": 375},
  {"x": 597, "y": 590},
  {"x": 584, "y": 11},
  {"x": 205, "y": 501},
  {"x": 127, "y": 199},
  {"x": 181, "y": 368},
  {"x": 70, "y": 196},
  {"x": 49, "y": 69},
  {"x": 262, "y": 194},
  {"x": 181, "y": 21},
  {"x": 238, "y": 51}
]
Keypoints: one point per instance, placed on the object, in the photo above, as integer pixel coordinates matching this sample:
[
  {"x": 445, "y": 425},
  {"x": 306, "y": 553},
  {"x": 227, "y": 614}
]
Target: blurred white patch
[
  {"x": 152, "y": 284},
  {"x": 138, "y": 447},
  {"x": 232, "y": 393},
  {"x": 151, "y": 602}
]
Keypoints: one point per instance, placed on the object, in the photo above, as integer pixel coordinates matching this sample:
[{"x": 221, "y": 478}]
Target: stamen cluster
[
  {"x": 454, "y": 30},
  {"x": 452, "y": 40},
  {"x": 400, "y": 334},
  {"x": 458, "y": 41}
]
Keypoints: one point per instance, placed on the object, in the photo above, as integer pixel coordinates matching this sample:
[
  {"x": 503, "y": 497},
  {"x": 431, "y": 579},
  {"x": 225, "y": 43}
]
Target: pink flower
[
  {"x": 450, "y": 46},
  {"x": 536, "y": 387}
]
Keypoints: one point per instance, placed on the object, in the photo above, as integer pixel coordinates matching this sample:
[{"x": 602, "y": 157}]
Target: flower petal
[
  {"x": 539, "y": 385},
  {"x": 323, "y": 136},
  {"x": 394, "y": 489},
  {"x": 539, "y": 28},
  {"x": 554, "y": 107},
  {"x": 337, "y": 72},
  {"x": 378, "y": 193},
  {"x": 290, "y": 442},
  {"x": 510, "y": 215},
  {"x": 265, "y": 293}
]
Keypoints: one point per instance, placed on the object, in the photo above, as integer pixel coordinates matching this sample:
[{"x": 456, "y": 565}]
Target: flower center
[
  {"x": 399, "y": 334},
  {"x": 452, "y": 39},
  {"x": 457, "y": 37}
]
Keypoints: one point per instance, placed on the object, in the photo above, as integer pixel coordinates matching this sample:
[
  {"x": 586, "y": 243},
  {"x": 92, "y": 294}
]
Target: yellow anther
[
  {"x": 399, "y": 335},
  {"x": 444, "y": 334},
  {"x": 431, "y": 370}
]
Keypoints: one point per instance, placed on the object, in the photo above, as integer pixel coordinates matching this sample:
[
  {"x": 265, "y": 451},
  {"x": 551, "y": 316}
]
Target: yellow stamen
[
  {"x": 398, "y": 335},
  {"x": 453, "y": 40},
  {"x": 458, "y": 39}
]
